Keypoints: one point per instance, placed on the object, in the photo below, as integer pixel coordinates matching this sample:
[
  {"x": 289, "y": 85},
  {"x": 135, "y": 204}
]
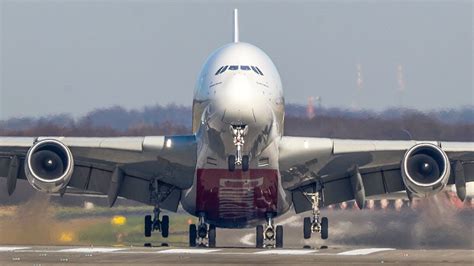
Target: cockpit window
[
  {"x": 219, "y": 71},
  {"x": 255, "y": 69}
]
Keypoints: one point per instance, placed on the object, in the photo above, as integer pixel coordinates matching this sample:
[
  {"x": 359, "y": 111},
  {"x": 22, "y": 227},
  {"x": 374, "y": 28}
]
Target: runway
[
  {"x": 46, "y": 255},
  {"x": 364, "y": 237}
]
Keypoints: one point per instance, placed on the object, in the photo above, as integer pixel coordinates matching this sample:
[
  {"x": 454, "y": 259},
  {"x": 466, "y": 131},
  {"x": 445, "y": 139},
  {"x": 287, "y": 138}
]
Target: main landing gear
[
  {"x": 202, "y": 234},
  {"x": 314, "y": 224},
  {"x": 238, "y": 133},
  {"x": 156, "y": 224},
  {"x": 270, "y": 235}
]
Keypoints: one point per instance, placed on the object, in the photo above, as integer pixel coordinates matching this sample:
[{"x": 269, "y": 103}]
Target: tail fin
[{"x": 236, "y": 25}]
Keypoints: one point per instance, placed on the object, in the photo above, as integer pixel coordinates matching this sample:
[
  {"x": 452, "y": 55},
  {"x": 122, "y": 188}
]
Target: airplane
[{"x": 237, "y": 169}]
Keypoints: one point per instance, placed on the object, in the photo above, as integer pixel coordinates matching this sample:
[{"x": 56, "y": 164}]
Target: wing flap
[{"x": 336, "y": 189}]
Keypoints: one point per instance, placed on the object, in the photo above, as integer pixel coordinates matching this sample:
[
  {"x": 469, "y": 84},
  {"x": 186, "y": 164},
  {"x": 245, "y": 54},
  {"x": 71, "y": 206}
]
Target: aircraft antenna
[{"x": 236, "y": 25}]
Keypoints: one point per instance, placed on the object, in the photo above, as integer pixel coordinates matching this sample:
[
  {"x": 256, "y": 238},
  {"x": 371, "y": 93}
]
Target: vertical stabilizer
[{"x": 236, "y": 25}]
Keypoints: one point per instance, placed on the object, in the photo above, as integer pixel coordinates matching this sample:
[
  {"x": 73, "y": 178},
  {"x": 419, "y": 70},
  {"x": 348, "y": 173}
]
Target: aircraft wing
[
  {"x": 335, "y": 164},
  {"x": 144, "y": 169}
]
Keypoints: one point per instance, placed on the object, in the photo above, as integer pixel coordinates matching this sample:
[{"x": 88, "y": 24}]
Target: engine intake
[
  {"x": 49, "y": 165},
  {"x": 425, "y": 169}
]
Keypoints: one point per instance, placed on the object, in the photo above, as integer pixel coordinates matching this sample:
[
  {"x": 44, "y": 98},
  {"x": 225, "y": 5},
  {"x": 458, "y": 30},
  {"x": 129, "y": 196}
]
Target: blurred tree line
[{"x": 454, "y": 125}]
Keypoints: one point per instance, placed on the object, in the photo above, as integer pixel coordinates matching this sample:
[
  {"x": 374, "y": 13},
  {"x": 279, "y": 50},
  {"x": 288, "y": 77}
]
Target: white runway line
[
  {"x": 91, "y": 250},
  {"x": 364, "y": 251},
  {"x": 6, "y": 249},
  {"x": 284, "y": 252},
  {"x": 187, "y": 251}
]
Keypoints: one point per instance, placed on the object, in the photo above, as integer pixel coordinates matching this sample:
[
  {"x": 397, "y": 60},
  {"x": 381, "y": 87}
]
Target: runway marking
[
  {"x": 91, "y": 250},
  {"x": 5, "y": 249},
  {"x": 284, "y": 252},
  {"x": 364, "y": 251},
  {"x": 187, "y": 251}
]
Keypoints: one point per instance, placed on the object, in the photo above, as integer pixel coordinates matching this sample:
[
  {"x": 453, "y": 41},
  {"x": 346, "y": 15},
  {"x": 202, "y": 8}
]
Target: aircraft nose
[{"x": 239, "y": 101}]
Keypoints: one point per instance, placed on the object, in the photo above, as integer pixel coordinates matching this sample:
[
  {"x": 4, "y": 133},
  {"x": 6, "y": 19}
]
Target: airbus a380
[{"x": 237, "y": 169}]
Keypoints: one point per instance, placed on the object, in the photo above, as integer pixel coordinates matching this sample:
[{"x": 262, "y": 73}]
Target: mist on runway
[{"x": 435, "y": 223}]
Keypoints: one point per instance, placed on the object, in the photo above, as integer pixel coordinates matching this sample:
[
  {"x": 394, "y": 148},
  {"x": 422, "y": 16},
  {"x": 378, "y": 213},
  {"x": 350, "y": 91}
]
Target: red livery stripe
[{"x": 237, "y": 195}]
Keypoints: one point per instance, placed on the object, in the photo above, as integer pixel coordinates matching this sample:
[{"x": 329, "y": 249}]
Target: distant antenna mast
[
  {"x": 401, "y": 84},
  {"x": 360, "y": 85},
  {"x": 310, "y": 108},
  {"x": 236, "y": 25}
]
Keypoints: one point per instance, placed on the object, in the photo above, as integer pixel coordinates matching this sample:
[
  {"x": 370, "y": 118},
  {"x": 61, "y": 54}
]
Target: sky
[{"x": 75, "y": 56}]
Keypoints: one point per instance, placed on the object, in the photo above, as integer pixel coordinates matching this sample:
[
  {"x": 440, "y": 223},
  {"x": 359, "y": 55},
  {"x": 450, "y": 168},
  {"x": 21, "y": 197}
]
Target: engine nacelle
[
  {"x": 425, "y": 169},
  {"x": 49, "y": 165}
]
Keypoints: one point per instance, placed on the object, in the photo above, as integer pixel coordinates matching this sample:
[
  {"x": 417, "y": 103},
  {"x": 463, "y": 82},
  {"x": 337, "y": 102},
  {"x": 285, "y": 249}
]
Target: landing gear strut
[
  {"x": 314, "y": 224},
  {"x": 270, "y": 235},
  {"x": 202, "y": 234},
  {"x": 238, "y": 133},
  {"x": 156, "y": 224}
]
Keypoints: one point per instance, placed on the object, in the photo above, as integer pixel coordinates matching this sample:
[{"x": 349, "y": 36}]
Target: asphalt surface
[
  {"x": 432, "y": 235},
  {"x": 47, "y": 255}
]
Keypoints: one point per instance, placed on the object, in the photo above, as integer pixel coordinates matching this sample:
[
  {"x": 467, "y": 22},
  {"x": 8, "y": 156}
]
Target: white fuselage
[{"x": 238, "y": 85}]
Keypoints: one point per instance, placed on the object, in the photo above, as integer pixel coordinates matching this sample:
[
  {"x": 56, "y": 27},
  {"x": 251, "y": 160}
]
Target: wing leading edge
[
  {"x": 345, "y": 168},
  {"x": 145, "y": 169}
]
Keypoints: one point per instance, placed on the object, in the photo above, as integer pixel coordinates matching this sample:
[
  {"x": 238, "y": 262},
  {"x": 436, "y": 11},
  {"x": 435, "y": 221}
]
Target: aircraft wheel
[
  {"x": 259, "y": 236},
  {"x": 245, "y": 163},
  {"x": 324, "y": 228},
  {"x": 212, "y": 236},
  {"x": 165, "y": 225},
  {"x": 192, "y": 235},
  {"x": 279, "y": 236},
  {"x": 307, "y": 228},
  {"x": 231, "y": 163},
  {"x": 148, "y": 225}
]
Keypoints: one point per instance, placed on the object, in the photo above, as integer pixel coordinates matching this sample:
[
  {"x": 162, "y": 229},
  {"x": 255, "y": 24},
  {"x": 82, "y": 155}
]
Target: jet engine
[
  {"x": 49, "y": 165},
  {"x": 425, "y": 169}
]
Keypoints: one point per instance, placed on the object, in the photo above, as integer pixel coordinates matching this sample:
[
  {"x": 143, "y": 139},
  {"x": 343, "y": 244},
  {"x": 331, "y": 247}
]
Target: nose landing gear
[
  {"x": 271, "y": 236},
  {"x": 202, "y": 234},
  {"x": 314, "y": 224},
  {"x": 238, "y": 133}
]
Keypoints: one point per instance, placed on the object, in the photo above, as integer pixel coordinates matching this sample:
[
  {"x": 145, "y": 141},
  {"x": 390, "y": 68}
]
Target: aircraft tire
[
  {"x": 259, "y": 236},
  {"x": 307, "y": 227},
  {"x": 245, "y": 163},
  {"x": 324, "y": 228},
  {"x": 192, "y": 235},
  {"x": 212, "y": 236},
  {"x": 279, "y": 236},
  {"x": 231, "y": 163},
  {"x": 165, "y": 225},
  {"x": 148, "y": 225}
]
